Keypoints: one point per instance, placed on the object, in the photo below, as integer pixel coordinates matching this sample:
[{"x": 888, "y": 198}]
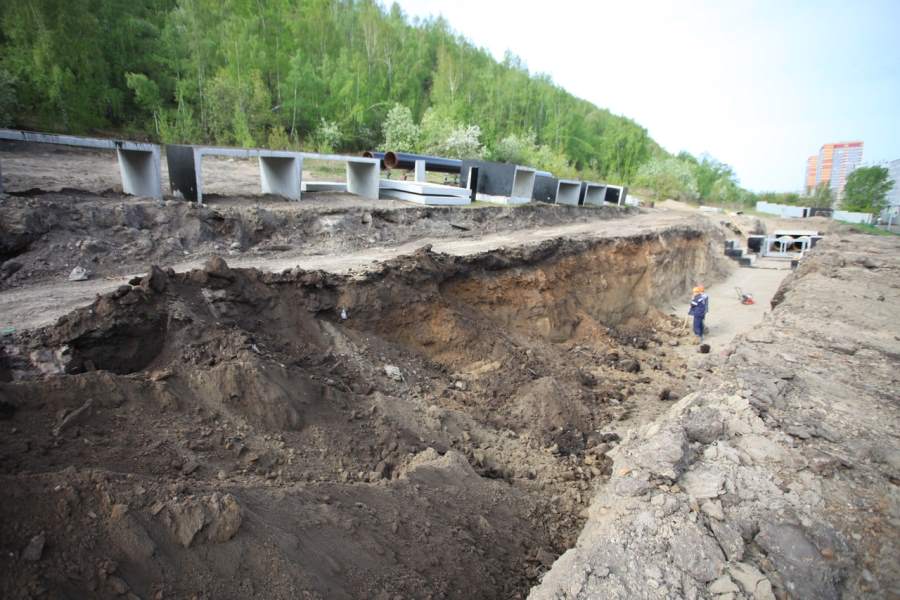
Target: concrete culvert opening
[
  {"x": 613, "y": 195},
  {"x": 567, "y": 192},
  {"x": 438, "y": 425},
  {"x": 593, "y": 194}
]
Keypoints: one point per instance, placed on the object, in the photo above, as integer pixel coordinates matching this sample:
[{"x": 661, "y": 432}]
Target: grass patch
[{"x": 865, "y": 228}]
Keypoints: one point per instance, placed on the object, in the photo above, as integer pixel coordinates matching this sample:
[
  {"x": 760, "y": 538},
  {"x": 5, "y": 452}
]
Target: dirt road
[
  {"x": 728, "y": 317},
  {"x": 30, "y": 307}
]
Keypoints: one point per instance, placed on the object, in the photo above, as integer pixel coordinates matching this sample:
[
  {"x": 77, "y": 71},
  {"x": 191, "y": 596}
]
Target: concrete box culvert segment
[
  {"x": 545, "y": 188},
  {"x": 568, "y": 191},
  {"x": 500, "y": 183},
  {"x": 280, "y": 171},
  {"x": 592, "y": 194},
  {"x": 616, "y": 194},
  {"x": 139, "y": 162}
]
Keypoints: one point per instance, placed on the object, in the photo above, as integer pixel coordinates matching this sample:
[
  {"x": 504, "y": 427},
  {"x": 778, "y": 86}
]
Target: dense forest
[{"x": 304, "y": 73}]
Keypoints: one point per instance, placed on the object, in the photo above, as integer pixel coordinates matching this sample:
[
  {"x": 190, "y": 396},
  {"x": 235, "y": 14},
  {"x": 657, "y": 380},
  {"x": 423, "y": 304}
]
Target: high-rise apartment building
[
  {"x": 832, "y": 165},
  {"x": 811, "y": 172}
]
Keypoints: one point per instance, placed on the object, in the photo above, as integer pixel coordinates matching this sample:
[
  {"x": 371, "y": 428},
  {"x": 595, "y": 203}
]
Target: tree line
[
  {"x": 324, "y": 75},
  {"x": 318, "y": 74}
]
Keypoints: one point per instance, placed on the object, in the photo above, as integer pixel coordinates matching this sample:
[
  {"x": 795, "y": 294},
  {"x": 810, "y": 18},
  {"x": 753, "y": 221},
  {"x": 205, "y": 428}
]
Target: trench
[{"x": 443, "y": 440}]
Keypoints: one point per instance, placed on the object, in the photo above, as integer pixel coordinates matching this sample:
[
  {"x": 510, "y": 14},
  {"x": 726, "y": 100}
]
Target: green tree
[
  {"x": 716, "y": 181},
  {"x": 8, "y": 103},
  {"x": 668, "y": 178},
  {"x": 516, "y": 149},
  {"x": 400, "y": 130},
  {"x": 822, "y": 196},
  {"x": 327, "y": 137},
  {"x": 247, "y": 71},
  {"x": 866, "y": 190}
]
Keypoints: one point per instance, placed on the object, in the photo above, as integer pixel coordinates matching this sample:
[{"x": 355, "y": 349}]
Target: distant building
[
  {"x": 832, "y": 165},
  {"x": 811, "y": 173},
  {"x": 893, "y": 196}
]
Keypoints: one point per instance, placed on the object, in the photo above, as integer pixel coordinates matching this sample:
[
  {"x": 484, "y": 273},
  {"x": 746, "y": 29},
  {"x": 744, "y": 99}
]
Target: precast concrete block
[
  {"x": 184, "y": 178},
  {"x": 280, "y": 175},
  {"x": 592, "y": 194},
  {"x": 363, "y": 173},
  {"x": 616, "y": 194},
  {"x": 424, "y": 192},
  {"x": 568, "y": 192},
  {"x": 139, "y": 166},
  {"x": 523, "y": 185},
  {"x": 500, "y": 183},
  {"x": 323, "y": 186},
  {"x": 140, "y": 172},
  {"x": 545, "y": 188},
  {"x": 420, "y": 170},
  {"x": 362, "y": 178},
  {"x": 279, "y": 170}
]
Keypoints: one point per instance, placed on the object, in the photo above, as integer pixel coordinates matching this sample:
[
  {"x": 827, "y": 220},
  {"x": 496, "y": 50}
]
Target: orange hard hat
[{"x": 698, "y": 289}]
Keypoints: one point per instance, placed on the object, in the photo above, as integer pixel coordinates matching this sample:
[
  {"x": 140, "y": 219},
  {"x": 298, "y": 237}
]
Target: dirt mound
[
  {"x": 407, "y": 431},
  {"x": 44, "y": 236}
]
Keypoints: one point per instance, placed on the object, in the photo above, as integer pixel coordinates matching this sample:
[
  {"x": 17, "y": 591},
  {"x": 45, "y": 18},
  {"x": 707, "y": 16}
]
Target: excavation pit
[{"x": 434, "y": 424}]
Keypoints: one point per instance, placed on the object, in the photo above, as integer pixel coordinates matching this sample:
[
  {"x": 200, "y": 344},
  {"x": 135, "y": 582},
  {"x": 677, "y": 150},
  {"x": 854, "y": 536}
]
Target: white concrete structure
[
  {"x": 594, "y": 194},
  {"x": 424, "y": 193},
  {"x": 619, "y": 191},
  {"x": 522, "y": 188},
  {"x": 363, "y": 173},
  {"x": 280, "y": 171},
  {"x": 567, "y": 191},
  {"x": 788, "y": 243},
  {"x": 138, "y": 161},
  {"x": 851, "y": 217},
  {"x": 323, "y": 186},
  {"x": 420, "y": 170},
  {"x": 782, "y": 210},
  {"x": 523, "y": 185}
]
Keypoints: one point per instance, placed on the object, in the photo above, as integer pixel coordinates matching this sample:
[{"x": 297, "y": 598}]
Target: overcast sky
[{"x": 760, "y": 85}]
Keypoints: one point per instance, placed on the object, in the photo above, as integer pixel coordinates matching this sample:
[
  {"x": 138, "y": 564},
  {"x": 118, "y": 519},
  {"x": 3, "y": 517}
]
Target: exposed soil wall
[
  {"x": 228, "y": 433},
  {"x": 43, "y": 236},
  {"x": 778, "y": 477}
]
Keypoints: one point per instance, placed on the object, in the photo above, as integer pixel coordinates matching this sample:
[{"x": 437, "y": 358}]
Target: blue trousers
[{"x": 698, "y": 325}]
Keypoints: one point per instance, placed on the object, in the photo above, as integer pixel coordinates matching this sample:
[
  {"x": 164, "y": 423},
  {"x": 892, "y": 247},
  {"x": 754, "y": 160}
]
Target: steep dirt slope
[
  {"x": 779, "y": 477},
  {"x": 228, "y": 433}
]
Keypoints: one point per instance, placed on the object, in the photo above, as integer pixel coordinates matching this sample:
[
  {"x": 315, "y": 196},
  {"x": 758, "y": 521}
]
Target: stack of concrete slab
[
  {"x": 500, "y": 183},
  {"x": 424, "y": 193},
  {"x": 323, "y": 186},
  {"x": 138, "y": 161}
]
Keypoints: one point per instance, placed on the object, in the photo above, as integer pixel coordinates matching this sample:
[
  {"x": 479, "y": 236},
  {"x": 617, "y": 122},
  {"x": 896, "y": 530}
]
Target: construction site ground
[{"x": 347, "y": 398}]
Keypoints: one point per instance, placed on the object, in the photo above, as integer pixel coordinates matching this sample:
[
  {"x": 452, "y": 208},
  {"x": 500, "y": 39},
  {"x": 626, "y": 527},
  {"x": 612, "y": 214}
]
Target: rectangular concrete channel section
[
  {"x": 567, "y": 192},
  {"x": 139, "y": 162}
]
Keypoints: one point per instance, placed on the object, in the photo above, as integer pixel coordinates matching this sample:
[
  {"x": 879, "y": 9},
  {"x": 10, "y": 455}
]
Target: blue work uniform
[{"x": 698, "y": 310}]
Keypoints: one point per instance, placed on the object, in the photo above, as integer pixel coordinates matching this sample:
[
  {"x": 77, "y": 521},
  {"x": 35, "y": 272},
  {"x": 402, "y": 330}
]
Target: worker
[{"x": 698, "y": 310}]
